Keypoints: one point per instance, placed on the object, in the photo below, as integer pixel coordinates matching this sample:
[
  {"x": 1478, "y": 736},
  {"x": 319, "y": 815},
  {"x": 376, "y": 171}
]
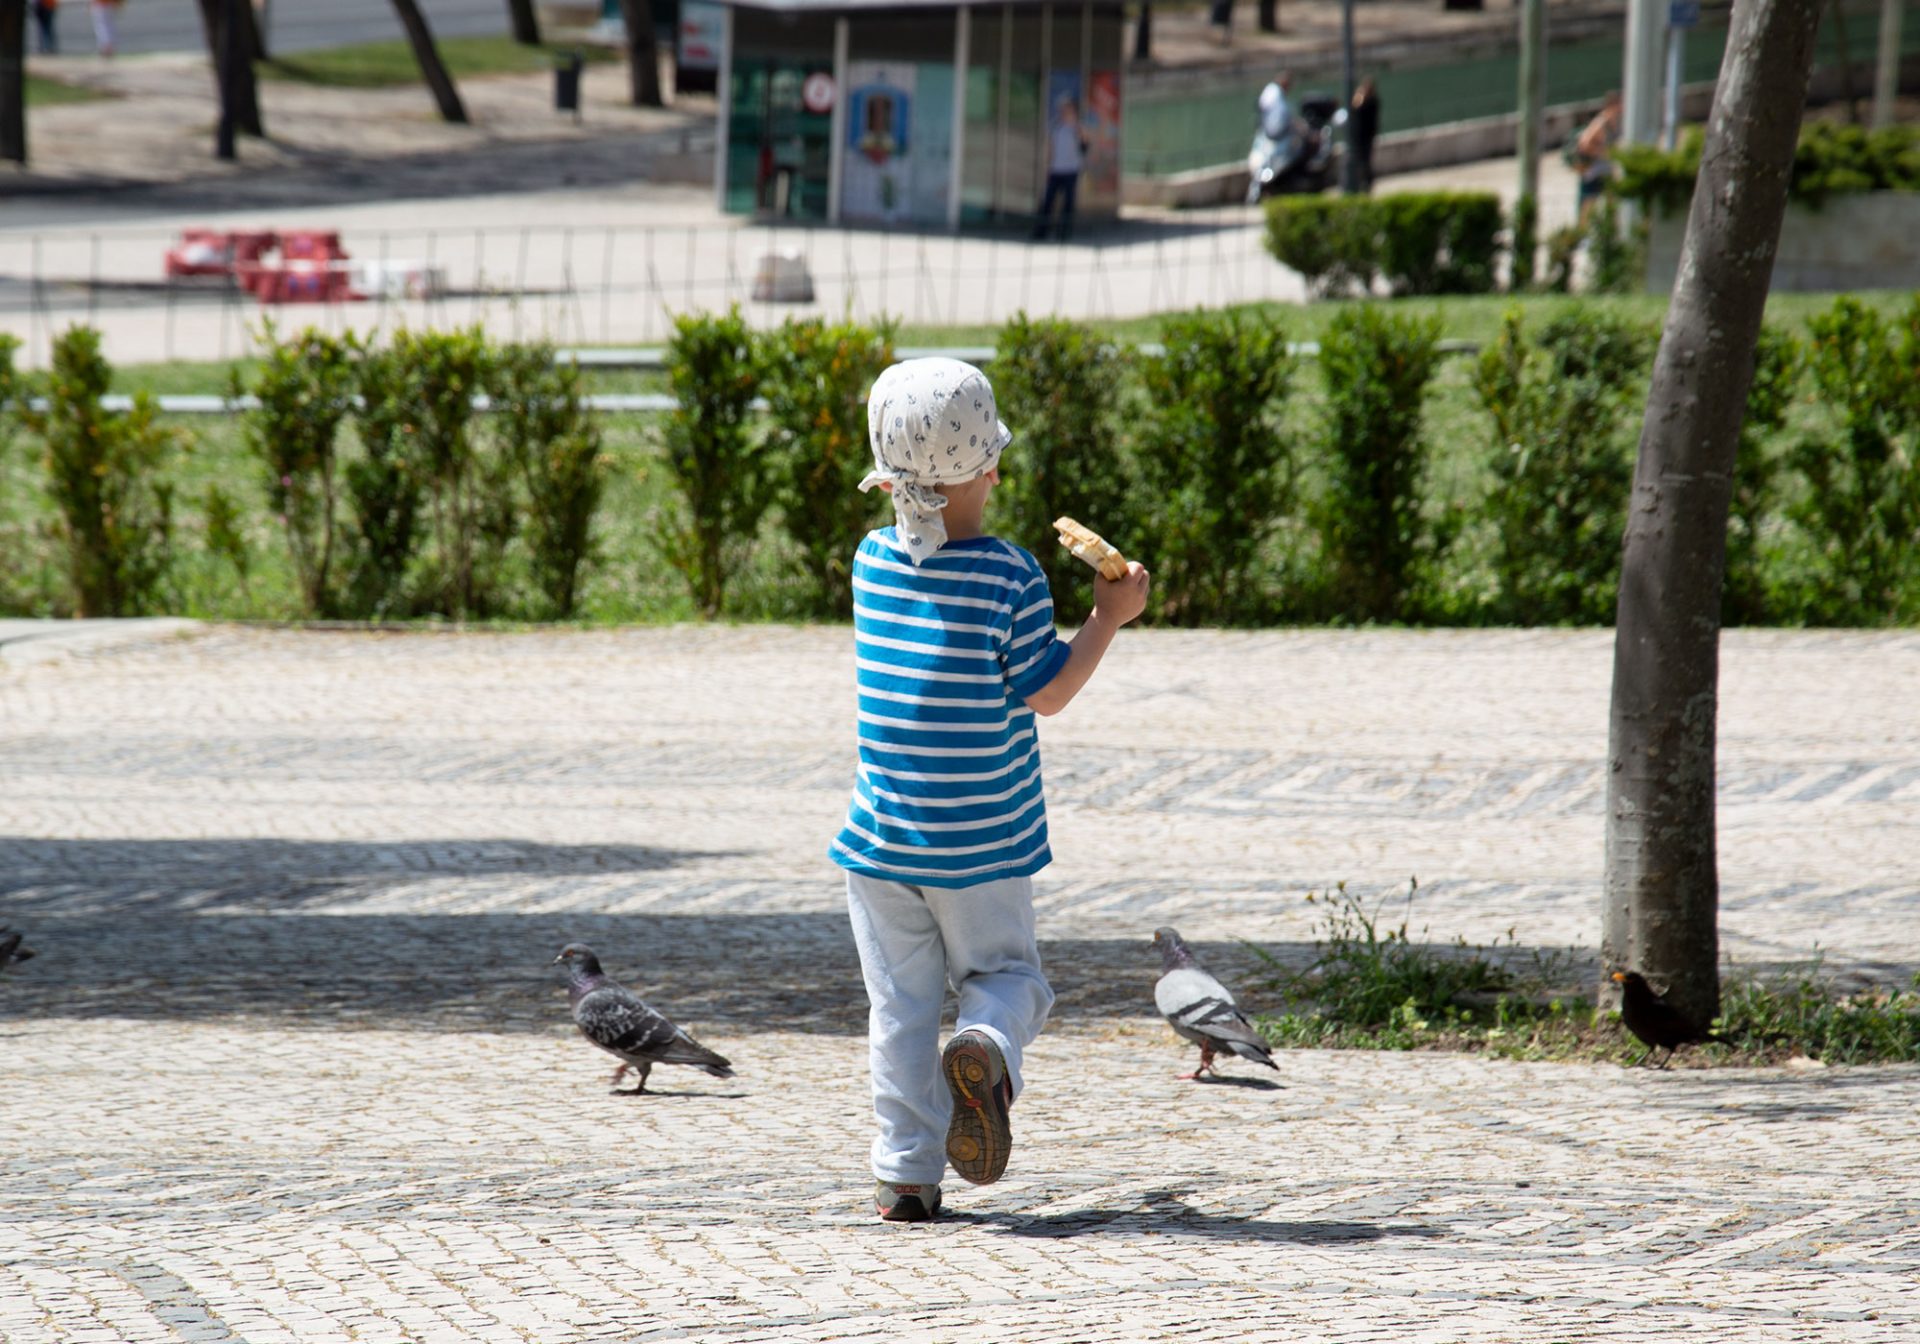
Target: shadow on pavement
[{"x": 1165, "y": 1213}]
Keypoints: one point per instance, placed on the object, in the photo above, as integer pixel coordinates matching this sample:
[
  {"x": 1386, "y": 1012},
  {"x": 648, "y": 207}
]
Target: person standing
[
  {"x": 1066, "y": 155},
  {"x": 44, "y": 13},
  {"x": 1592, "y": 155},
  {"x": 1363, "y": 125},
  {"x": 106, "y": 14}
]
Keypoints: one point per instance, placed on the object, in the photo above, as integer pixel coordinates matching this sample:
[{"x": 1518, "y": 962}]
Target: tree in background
[
  {"x": 13, "y": 80},
  {"x": 643, "y": 56},
  {"x": 526, "y": 24},
  {"x": 432, "y": 68},
  {"x": 1661, "y": 913},
  {"x": 238, "y": 89}
]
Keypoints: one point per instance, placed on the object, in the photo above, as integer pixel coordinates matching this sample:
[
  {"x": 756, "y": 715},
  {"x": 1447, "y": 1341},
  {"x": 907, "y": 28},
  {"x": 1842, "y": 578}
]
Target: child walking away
[{"x": 955, "y": 652}]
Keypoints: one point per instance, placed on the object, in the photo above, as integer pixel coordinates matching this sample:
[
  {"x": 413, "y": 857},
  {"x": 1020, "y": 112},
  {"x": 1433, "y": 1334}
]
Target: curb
[{"x": 26, "y": 642}]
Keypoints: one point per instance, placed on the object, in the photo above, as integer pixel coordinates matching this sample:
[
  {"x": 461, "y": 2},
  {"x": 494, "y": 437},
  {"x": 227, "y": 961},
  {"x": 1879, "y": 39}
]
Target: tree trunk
[
  {"x": 13, "y": 80},
  {"x": 1269, "y": 16},
  {"x": 526, "y": 24},
  {"x": 1143, "y": 35},
  {"x": 432, "y": 68},
  {"x": 253, "y": 33},
  {"x": 239, "y": 99},
  {"x": 1662, "y": 881},
  {"x": 643, "y": 56}
]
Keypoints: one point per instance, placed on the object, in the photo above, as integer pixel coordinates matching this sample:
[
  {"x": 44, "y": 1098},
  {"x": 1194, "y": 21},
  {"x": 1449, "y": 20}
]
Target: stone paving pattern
[{"x": 291, "y": 1066}]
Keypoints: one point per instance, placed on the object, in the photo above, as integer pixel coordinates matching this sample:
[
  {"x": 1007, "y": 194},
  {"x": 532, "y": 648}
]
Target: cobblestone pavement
[{"x": 290, "y": 1065}]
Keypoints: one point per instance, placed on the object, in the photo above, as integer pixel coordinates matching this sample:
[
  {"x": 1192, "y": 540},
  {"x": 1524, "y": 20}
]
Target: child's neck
[{"x": 963, "y": 526}]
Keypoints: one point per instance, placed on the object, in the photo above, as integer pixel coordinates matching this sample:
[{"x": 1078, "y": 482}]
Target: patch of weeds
[{"x": 1806, "y": 1013}]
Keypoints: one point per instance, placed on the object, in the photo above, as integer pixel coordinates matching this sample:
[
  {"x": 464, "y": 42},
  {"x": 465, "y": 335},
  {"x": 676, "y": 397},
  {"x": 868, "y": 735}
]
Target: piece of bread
[{"x": 1091, "y": 547}]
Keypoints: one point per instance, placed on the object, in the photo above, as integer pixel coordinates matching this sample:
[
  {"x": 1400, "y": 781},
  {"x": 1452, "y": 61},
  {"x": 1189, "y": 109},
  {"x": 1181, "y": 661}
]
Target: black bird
[
  {"x": 10, "y": 949},
  {"x": 616, "y": 1020},
  {"x": 1201, "y": 1009},
  {"x": 1658, "y": 1024}
]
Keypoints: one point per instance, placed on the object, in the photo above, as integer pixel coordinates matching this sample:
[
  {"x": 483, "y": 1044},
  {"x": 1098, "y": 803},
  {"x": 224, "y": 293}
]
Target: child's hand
[{"x": 1122, "y": 600}]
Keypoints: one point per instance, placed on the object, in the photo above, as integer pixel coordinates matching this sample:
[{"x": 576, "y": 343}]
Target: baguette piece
[{"x": 1090, "y": 546}]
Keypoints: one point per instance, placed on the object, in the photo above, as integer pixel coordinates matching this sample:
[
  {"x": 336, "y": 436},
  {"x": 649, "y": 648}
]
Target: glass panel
[
  {"x": 978, "y": 177},
  {"x": 1100, "y": 115},
  {"x": 777, "y": 147},
  {"x": 1020, "y": 167}
]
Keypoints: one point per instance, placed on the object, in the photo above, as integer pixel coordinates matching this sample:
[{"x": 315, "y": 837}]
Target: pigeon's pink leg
[{"x": 1206, "y": 1062}]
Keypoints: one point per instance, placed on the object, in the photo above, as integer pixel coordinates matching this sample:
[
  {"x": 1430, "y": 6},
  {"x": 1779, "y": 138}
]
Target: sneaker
[
  {"x": 906, "y": 1203},
  {"x": 979, "y": 1136}
]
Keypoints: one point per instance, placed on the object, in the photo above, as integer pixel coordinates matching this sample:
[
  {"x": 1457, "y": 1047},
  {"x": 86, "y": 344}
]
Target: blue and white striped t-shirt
[{"x": 948, "y": 791}]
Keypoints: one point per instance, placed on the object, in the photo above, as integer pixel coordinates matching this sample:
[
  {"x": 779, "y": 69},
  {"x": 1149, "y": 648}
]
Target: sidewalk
[{"x": 291, "y": 1065}]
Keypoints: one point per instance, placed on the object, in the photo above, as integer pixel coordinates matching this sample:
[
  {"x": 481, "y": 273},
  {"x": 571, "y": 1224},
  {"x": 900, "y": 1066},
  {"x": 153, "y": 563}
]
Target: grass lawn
[
  {"x": 43, "y": 92},
  {"x": 379, "y": 65}
]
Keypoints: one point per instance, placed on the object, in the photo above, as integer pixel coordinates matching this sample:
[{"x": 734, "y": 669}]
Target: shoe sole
[{"x": 979, "y": 1137}]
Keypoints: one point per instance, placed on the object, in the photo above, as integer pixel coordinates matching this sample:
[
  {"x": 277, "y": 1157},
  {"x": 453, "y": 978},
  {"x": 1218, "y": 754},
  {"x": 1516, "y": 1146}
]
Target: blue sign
[{"x": 1683, "y": 13}]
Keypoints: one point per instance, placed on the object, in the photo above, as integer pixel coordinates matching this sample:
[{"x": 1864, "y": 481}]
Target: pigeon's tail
[
  {"x": 1259, "y": 1054},
  {"x": 686, "y": 1050}
]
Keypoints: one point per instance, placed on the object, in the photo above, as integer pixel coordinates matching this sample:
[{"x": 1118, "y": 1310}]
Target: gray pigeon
[
  {"x": 616, "y": 1020},
  {"x": 10, "y": 949},
  {"x": 1201, "y": 1009}
]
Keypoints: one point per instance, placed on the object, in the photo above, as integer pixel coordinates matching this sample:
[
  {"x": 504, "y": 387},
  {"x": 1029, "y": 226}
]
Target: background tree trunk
[
  {"x": 526, "y": 24},
  {"x": 1662, "y": 883},
  {"x": 245, "y": 89},
  {"x": 13, "y": 80},
  {"x": 251, "y": 32},
  {"x": 1269, "y": 16},
  {"x": 432, "y": 68},
  {"x": 1143, "y": 35},
  {"x": 643, "y": 56}
]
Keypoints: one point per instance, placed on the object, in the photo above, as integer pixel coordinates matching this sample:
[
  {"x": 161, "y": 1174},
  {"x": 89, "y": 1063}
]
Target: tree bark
[
  {"x": 432, "y": 68},
  {"x": 643, "y": 56},
  {"x": 13, "y": 80},
  {"x": 251, "y": 32},
  {"x": 1662, "y": 879},
  {"x": 526, "y": 24}
]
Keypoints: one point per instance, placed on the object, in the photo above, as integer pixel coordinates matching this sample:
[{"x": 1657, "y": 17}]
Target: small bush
[
  {"x": 1861, "y": 508},
  {"x": 1376, "y": 367},
  {"x": 724, "y": 480},
  {"x": 105, "y": 479},
  {"x": 1756, "y": 497},
  {"x": 385, "y": 484},
  {"x": 1333, "y": 241},
  {"x": 1215, "y": 472},
  {"x": 1563, "y": 465},
  {"x": 549, "y": 438},
  {"x": 1058, "y": 386},
  {"x": 1831, "y": 159},
  {"x": 305, "y": 388},
  {"x": 816, "y": 380},
  {"x": 469, "y": 489},
  {"x": 1420, "y": 242},
  {"x": 1616, "y": 256}
]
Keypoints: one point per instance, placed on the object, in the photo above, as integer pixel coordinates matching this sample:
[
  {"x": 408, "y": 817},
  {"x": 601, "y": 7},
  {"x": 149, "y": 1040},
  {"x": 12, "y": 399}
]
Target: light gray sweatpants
[{"x": 913, "y": 942}]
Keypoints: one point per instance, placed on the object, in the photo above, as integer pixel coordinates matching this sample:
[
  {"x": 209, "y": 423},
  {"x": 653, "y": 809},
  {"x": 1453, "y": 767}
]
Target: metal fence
[{"x": 625, "y": 285}]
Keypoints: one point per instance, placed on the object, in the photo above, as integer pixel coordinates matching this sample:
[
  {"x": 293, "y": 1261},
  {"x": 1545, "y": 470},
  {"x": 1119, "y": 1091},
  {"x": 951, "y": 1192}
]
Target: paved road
[
  {"x": 290, "y": 1065},
  {"x": 292, "y": 25}
]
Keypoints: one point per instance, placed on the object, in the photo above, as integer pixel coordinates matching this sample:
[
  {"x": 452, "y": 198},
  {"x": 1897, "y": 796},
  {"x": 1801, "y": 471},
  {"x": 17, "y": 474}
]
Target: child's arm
[{"x": 1115, "y": 602}]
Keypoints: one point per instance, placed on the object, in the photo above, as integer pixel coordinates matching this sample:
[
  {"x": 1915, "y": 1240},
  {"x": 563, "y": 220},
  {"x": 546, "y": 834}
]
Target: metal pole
[
  {"x": 1676, "y": 47},
  {"x": 1886, "y": 71},
  {"x": 1640, "y": 75},
  {"x": 1349, "y": 166},
  {"x": 1533, "y": 84}
]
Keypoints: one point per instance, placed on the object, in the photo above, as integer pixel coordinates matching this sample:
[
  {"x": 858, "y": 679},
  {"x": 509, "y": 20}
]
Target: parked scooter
[{"x": 1302, "y": 158}]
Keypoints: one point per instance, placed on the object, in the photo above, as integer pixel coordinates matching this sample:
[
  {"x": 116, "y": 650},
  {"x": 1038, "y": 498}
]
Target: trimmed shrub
[
  {"x": 1215, "y": 472},
  {"x": 305, "y": 387},
  {"x": 816, "y": 377},
  {"x": 1745, "y": 596},
  {"x": 550, "y": 440},
  {"x": 104, "y": 477},
  {"x": 469, "y": 490},
  {"x": 1861, "y": 508},
  {"x": 1376, "y": 366},
  {"x": 1563, "y": 463},
  {"x": 724, "y": 480},
  {"x": 1441, "y": 242},
  {"x": 385, "y": 484},
  {"x": 1831, "y": 159},
  {"x": 1058, "y": 386}
]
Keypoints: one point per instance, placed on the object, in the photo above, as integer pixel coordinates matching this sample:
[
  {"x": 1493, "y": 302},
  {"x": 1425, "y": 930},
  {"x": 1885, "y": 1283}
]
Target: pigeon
[
  {"x": 616, "y": 1020},
  {"x": 10, "y": 949},
  {"x": 1201, "y": 1009},
  {"x": 1657, "y": 1023}
]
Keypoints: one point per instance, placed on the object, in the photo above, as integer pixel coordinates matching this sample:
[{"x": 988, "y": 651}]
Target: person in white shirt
[
  {"x": 1276, "y": 111},
  {"x": 1066, "y": 154}
]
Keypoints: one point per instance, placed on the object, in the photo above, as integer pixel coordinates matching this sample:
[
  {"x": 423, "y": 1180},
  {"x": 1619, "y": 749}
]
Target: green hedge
[
  {"x": 1379, "y": 484},
  {"x": 1832, "y": 159},
  {"x": 1440, "y": 242}
]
